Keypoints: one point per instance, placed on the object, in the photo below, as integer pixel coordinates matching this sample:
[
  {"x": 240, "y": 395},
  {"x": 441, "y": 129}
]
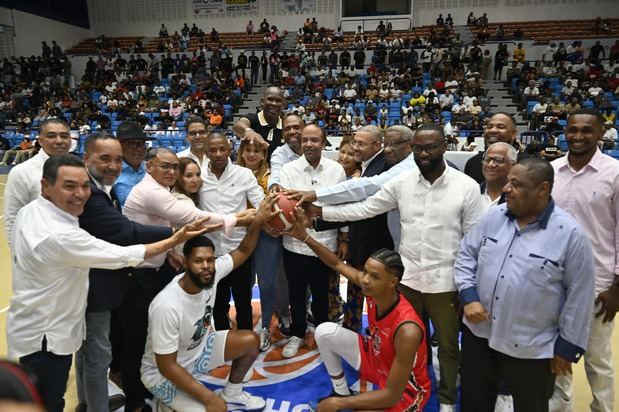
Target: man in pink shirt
[
  {"x": 587, "y": 187},
  {"x": 151, "y": 203}
]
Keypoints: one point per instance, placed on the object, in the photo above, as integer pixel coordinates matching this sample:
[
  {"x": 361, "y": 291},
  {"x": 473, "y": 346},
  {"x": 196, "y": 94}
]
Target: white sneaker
[
  {"x": 504, "y": 403},
  {"x": 265, "y": 339},
  {"x": 292, "y": 347},
  {"x": 244, "y": 402},
  {"x": 447, "y": 408}
]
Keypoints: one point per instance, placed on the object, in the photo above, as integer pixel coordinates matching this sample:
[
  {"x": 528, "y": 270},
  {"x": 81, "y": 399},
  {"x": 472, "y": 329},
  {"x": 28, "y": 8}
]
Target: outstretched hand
[
  {"x": 265, "y": 210},
  {"x": 301, "y": 196},
  {"x": 300, "y": 222},
  {"x": 196, "y": 228},
  {"x": 254, "y": 138}
]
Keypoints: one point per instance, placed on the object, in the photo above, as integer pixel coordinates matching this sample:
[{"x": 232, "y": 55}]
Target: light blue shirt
[
  {"x": 280, "y": 156},
  {"x": 536, "y": 283},
  {"x": 127, "y": 179},
  {"x": 354, "y": 190}
]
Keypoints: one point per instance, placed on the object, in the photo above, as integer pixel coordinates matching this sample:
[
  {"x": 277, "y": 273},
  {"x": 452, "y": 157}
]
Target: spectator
[
  {"x": 519, "y": 53},
  {"x": 249, "y": 29}
]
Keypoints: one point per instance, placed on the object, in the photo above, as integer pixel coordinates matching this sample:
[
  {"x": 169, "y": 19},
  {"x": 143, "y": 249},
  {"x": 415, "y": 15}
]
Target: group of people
[{"x": 409, "y": 231}]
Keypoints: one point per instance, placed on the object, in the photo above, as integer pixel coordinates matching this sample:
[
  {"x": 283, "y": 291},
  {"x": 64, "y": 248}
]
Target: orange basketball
[{"x": 285, "y": 209}]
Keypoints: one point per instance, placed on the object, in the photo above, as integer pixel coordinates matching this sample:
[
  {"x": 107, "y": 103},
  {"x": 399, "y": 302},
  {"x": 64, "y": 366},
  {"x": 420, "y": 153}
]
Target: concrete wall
[{"x": 30, "y": 30}]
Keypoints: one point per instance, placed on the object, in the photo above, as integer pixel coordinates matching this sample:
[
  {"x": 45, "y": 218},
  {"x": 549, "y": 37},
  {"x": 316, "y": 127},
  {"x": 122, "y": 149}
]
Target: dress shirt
[
  {"x": 591, "y": 196},
  {"x": 300, "y": 175},
  {"x": 354, "y": 190},
  {"x": 127, "y": 179},
  {"x": 539, "y": 298},
  {"x": 151, "y": 203},
  {"x": 23, "y": 185},
  {"x": 51, "y": 257},
  {"x": 229, "y": 194},
  {"x": 282, "y": 155},
  {"x": 188, "y": 153},
  {"x": 433, "y": 219}
]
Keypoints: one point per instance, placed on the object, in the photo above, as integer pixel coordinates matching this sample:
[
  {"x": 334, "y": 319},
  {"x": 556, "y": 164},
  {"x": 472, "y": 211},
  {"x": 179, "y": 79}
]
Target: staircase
[
  {"x": 288, "y": 42},
  {"x": 252, "y": 103},
  {"x": 502, "y": 102},
  {"x": 465, "y": 34}
]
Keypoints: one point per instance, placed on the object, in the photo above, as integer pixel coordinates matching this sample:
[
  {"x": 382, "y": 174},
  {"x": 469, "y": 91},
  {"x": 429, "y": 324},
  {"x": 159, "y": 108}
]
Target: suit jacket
[
  {"x": 102, "y": 218},
  {"x": 367, "y": 236}
]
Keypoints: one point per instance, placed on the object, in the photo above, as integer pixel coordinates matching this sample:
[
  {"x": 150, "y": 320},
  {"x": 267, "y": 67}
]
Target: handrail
[{"x": 364, "y": 20}]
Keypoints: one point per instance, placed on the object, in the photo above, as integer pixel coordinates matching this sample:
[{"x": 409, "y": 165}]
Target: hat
[{"x": 130, "y": 130}]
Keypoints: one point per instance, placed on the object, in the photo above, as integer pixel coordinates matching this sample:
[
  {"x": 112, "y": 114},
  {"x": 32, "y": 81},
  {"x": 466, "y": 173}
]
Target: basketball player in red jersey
[{"x": 393, "y": 356}]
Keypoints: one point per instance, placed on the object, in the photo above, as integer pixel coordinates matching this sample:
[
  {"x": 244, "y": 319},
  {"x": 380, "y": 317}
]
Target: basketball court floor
[{"x": 274, "y": 377}]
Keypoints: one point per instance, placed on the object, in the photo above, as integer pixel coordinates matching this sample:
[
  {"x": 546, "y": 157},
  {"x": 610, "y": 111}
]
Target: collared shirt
[
  {"x": 282, "y": 155},
  {"x": 539, "y": 298},
  {"x": 51, "y": 257},
  {"x": 591, "y": 196},
  {"x": 151, "y": 203},
  {"x": 188, "y": 153},
  {"x": 127, "y": 179},
  {"x": 300, "y": 175},
  {"x": 366, "y": 163},
  {"x": 229, "y": 194},
  {"x": 23, "y": 185},
  {"x": 433, "y": 219},
  {"x": 272, "y": 135},
  {"x": 354, "y": 190}
]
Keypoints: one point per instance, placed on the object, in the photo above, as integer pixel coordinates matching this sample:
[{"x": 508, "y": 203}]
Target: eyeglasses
[
  {"x": 417, "y": 148},
  {"x": 359, "y": 144},
  {"x": 499, "y": 161},
  {"x": 135, "y": 144},
  {"x": 395, "y": 143},
  {"x": 198, "y": 132},
  {"x": 166, "y": 167}
]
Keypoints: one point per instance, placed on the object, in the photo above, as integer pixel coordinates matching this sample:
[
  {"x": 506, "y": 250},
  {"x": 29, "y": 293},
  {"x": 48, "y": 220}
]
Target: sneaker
[
  {"x": 504, "y": 403},
  {"x": 265, "y": 339},
  {"x": 244, "y": 402},
  {"x": 292, "y": 347},
  {"x": 2, "y": 164},
  {"x": 447, "y": 408}
]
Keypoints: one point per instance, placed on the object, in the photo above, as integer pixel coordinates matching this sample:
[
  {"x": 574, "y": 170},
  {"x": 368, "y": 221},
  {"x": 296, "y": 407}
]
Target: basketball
[{"x": 285, "y": 207}]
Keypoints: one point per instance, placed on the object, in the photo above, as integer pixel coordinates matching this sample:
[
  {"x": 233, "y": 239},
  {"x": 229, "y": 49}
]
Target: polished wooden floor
[{"x": 582, "y": 393}]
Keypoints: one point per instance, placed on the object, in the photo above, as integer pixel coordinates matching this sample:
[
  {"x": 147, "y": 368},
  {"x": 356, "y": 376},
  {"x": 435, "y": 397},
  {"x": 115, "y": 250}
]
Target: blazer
[{"x": 102, "y": 219}]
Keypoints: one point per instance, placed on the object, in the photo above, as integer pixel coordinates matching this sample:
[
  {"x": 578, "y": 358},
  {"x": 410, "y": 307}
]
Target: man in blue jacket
[{"x": 102, "y": 218}]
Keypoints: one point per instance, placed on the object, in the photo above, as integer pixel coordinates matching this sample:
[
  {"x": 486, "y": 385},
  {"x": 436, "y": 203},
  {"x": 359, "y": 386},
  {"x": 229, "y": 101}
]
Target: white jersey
[{"x": 180, "y": 322}]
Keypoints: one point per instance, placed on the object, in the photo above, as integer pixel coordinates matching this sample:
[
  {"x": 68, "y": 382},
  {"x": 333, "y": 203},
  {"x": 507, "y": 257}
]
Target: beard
[
  {"x": 433, "y": 164},
  {"x": 195, "y": 279}
]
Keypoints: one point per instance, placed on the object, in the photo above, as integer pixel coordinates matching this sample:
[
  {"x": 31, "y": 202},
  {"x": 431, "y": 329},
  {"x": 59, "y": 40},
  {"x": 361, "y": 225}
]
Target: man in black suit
[
  {"x": 102, "y": 218},
  {"x": 500, "y": 128}
]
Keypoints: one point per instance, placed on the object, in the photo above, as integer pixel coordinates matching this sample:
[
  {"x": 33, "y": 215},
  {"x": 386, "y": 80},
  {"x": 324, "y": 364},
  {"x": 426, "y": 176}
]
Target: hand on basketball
[
  {"x": 560, "y": 366},
  {"x": 312, "y": 210},
  {"x": 300, "y": 222},
  {"x": 475, "y": 312},
  {"x": 245, "y": 217},
  {"x": 275, "y": 188},
  {"x": 301, "y": 196},
  {"x": 265, "y": 211}
]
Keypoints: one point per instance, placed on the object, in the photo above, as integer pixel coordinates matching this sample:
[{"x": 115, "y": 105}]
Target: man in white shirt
[
  {"x": 197, "y": 130},
  {"x": 23, "y": 184},
  {"x": 430, "y": 239},
  {"x": 531, "y": 90},
  {"x": 228, "y": 188},
  {"x": 302, "y": 267},
  {"x": 45, "y": 322},
  {"x": 181, "y": 345},
  {"x": 496, "y": 164}
]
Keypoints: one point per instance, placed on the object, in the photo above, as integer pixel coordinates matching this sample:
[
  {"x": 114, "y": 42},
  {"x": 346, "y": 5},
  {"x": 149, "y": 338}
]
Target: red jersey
[{"x": 378, "y": 352}]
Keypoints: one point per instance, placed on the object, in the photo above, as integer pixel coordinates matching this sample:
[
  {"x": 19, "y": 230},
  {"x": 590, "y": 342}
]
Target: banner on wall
[
  {"x": 299, "y": 6},
  {"x": 214, "y": 7}
]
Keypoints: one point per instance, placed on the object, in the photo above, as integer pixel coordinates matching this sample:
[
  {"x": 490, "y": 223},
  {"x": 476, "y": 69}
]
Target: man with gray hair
[{"x": 496, "y": 164}]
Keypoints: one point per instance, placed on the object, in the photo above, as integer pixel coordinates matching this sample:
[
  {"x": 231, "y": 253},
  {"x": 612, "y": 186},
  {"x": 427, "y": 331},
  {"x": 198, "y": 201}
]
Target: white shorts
[{"x": 211, "y": 357}]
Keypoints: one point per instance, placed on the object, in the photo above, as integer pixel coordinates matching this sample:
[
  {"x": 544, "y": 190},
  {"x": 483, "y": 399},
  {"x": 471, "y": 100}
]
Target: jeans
[
  {"x": 92, "y": 362},
  {"x": 301, "y": 271},
  {"x": 265, "y": 262},
  {"x": 52, "y": 374}
]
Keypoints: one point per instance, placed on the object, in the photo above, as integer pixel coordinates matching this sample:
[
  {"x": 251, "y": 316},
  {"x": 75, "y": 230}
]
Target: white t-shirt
[{"x": 179, "y": 322}]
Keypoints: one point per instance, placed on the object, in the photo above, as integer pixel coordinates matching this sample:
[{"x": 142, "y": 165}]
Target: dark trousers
[
  {"x": 301, "y": 271},
  {"x": 144, "y": 284},
  {"x": 52, "y": 374},
  {"x": 240, "y": 282},
  {"x": 530, "y": 381}
]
